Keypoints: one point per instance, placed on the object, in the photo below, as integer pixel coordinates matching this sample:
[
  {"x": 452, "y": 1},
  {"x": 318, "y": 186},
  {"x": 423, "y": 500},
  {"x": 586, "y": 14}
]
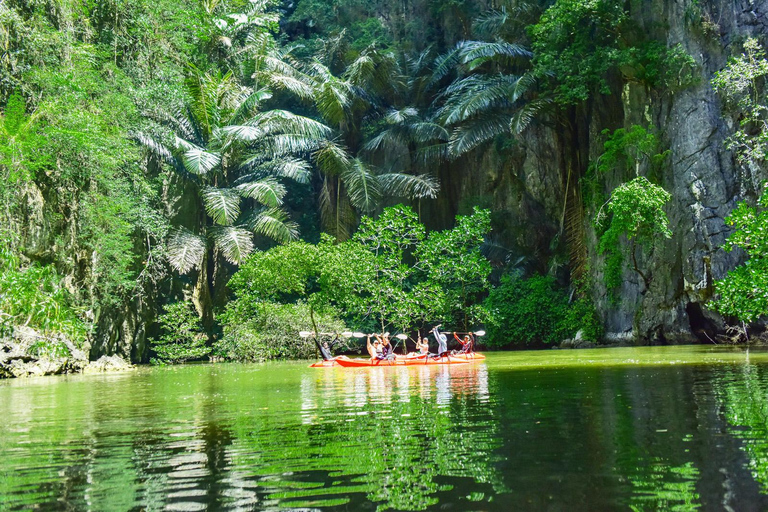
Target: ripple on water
[{"x": 597, "y": 430}]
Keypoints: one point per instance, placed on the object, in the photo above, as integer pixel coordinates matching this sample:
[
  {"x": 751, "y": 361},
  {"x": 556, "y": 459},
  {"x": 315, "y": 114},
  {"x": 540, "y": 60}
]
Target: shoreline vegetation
[{"x": 174, "y": 194}]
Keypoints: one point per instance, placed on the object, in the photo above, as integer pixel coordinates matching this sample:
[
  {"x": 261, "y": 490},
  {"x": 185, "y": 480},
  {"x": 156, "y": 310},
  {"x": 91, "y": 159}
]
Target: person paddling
[
  {"x": 386, "y": 347},
  {"x": 442, "y": 342},
  {"x": 466, "y": 343},
  {"x": 422, "y": 345}
]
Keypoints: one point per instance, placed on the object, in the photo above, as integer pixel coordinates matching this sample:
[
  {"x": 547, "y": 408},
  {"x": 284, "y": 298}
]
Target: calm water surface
[{"x": 674, "y": 428}]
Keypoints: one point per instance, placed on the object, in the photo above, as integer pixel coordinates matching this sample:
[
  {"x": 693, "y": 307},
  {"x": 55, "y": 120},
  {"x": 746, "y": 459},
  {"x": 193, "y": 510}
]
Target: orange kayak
[
  {"x": 400, "y": 361},
  {"x": 330, "y": 363}
]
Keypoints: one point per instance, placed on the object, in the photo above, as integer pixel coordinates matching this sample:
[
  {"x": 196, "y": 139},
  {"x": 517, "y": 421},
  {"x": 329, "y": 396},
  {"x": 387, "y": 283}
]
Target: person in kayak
[
  {"x": 386, "y": 347},
  {"x": 326, "y": 349},
  {"x": 442, "y": 342},
  {"x": 466, "y": 343},
  {"x": 373, "y": 348},
  {"x": 422, "y": 345}
]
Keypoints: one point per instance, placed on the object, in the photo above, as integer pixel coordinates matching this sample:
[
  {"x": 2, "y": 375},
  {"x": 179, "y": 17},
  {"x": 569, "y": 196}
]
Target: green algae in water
[{"x": 672, "y": 428}]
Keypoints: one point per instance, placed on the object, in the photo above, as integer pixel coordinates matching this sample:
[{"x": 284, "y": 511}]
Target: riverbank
[{"x": 28, "y": 353}]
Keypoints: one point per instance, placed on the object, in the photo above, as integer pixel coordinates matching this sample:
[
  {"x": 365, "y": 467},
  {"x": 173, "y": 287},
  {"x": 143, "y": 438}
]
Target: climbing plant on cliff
[
  {"x": 742, "y": 83},
  {"x": 743, "y": 293},
  {"x": 635, "y": 211},
  {"x": 576, "y": 43}
]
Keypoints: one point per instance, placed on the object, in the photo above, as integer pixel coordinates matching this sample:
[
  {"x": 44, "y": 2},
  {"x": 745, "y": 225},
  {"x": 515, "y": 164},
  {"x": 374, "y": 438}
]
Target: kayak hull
[
  {"x": 401, "y": 361},
  {"x": 330, "y": 363}
]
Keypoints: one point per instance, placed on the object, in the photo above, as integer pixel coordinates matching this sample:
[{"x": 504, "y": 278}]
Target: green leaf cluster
[
  {"x": 742, "y": 83},
  {"x": 183, "y": 337},
  {"x": 577, "y": 44},
  {"x": 391, "y": 275},
  {"x": 635, "y": 211},
  {"x": 743, "y": 292},
  {"x": 33, "y": 296},
  {"x": 536, "y": 311},
  {"x": 270, "y": 331}
]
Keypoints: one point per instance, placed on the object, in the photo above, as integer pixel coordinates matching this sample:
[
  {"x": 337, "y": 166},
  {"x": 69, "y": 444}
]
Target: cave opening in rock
[{"x": 701, "y": 326}]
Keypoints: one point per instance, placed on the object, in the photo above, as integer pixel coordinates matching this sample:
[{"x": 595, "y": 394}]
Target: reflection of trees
[
  {"x": 386, "y": 436},
  {"x": 665, "y": 487},
  {"x": 743, "y": 391}
]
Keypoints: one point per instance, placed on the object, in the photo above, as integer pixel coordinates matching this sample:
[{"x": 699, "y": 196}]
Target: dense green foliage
[
  {"x": 577, "y": 43},
  {"x": 635, "y": 211},
  {"x": 183, "y": 336},
  {"x": 33, "y": 296},
  {"x": 535, "y": 311},
  {"x": 390, "y": 276},
  {"x": 743, "y": 86},
  {"x": 270, "y": 331},
  {"x": 743, "y": 293},
  {"x": 144, "y": 140}
]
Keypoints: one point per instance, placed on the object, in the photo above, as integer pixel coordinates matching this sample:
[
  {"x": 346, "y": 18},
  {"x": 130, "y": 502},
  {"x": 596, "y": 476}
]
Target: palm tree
[
  {"x": 350, "y": 186},
  {"x": 233, "y": 159},
  {"x": 491, "y": 96}
]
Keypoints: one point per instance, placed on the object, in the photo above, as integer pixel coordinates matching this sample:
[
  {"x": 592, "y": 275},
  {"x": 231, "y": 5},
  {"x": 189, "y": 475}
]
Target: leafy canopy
[
  {"x": 183, "y": 336},
  {"x": 635, "y": 210},
  {"x": 743, "y": 292}
]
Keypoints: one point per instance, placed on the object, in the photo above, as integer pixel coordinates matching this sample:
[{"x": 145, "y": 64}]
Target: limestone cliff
[{"x": 528, "y": 184}]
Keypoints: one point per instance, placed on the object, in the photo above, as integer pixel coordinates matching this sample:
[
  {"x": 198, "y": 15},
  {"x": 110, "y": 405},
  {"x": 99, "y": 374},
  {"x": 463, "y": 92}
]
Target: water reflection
[{"x": 474, "y": 437}]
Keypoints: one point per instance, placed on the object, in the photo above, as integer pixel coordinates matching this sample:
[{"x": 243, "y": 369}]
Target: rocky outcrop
[{"x": 29, "y": 354}]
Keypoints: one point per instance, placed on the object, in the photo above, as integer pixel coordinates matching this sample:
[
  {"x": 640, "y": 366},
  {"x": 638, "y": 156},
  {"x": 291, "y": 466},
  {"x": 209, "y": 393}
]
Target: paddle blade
[
  {"x": 305, "y": 334},
  {"x": 347, "y": 334},
  {"x": 401, "y": 337},
  {"x": 358, "y": 335},
  {"x": 480, "y": 333}
]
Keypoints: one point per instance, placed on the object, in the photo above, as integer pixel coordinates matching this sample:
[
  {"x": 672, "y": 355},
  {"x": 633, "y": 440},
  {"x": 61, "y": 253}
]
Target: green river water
[{"x": 670, "y": 428}]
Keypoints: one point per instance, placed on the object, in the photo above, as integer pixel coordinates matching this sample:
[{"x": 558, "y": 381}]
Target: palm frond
[
  {"x": 162, "y": 152},
  {"x": 393, "y": 140},
  {"x": 445, "y": 64},
  {"x": 244, "y": 133},
  {"x": 362, "y": 70},
  {"x": 422, "y": 186},
  {"x": 295, "y": 85},
  {"x": 221, "y": 204},
  {"x": 282, "y": 121},
  {"x": 478, "y": 94},
  {"x": 331, "y": 159},
  {"x": 259, "y": 166},
  {"x": 266, "y": 191},
  {"x": 274, "y": 223},
  {"x": 475, "y": 132},
  {"x": 196, "y": 159},
  {"x": 234, "y": 242},
  {"x": 401, "y": 116},
  {"x": 185, "y": 249},
  {"x": 247, "y": 102},
  {"x": 491, "y": 22},
  {"x": 527, "y": 113},
  {"x": 362, "y": 186},
  {"x": 288, "y": 144},
  {"x": 425, "y": 131},
  {"x": 433, "y": 153},
  {"x": 475, "y": 53}
]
